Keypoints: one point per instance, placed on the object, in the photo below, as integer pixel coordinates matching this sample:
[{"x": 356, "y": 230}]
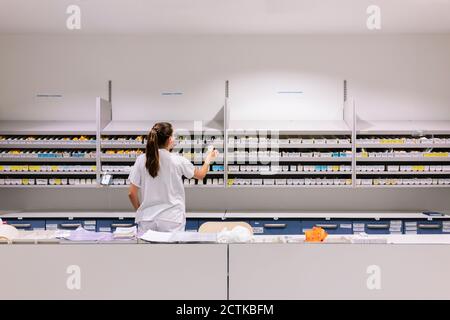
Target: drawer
[
  {"x": 333, "y": 226},
  {"x": 424, "y": 227},
  {"x": 192, "y": 225},
  {"x": 70, "y": 224},
  {"x": 26, "y": 224},
  {"x": 276, "y": 227},
  {"x": 383, "y": 226},
  {"x": 110, "y": 225}
]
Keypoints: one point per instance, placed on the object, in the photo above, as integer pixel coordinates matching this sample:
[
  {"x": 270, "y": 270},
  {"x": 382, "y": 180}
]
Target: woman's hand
[
  {"x": 200, "y": 174},
  {"x": 211, "y": 156}
]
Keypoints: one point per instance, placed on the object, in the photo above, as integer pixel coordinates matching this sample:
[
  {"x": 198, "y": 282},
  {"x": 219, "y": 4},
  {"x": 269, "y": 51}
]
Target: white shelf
[
  {"x": 232, "y": 159},
  {"x": 337, "y": 127},
  {"x": 116, "y": 173},
  {"x": 122, "y": 146},
  {"x": 47, "y": 173},
  {"x": 402, "y": 186},
  {"x": 403, "y": 127},
  {"x": 47, "y": 146},
  {"x": 206, "y": 215},
  {"x": 403, "y": 173},
  {"x": 218, "y": 145},
  {"x": 143, "y": 127},
  {"x": 288, "y": 146},
  {"x": 125, "y": 159},
  {"x": 97, "y": 214},
  {"x": 72, "y": 159},
  {"x": 405, "y": 159},
  {"x": 143, "y": 146},
  {"x": 78, "y": 186},
  {"x": 292, "y": 186},
  {"x": 117, "y": 159},
  {"x": 127, "y": 173},
  {"x": 403, "y": 146},
  {"x": 48, "y": 127},
  {"x": 288, "y": 173},
  {"x": 325, "y": 215},
  {"x": 209, "y": 186},
  {"x": 186, "y": 186}
]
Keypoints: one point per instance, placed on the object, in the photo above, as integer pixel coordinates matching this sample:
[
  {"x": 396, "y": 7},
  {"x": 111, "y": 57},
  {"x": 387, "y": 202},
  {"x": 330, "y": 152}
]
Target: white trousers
[{"x": 160, "y": 225}]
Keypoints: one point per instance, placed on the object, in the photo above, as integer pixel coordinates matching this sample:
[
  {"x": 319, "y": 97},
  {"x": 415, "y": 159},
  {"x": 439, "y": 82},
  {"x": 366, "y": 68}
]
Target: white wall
[{"x": 391, "y": 77}]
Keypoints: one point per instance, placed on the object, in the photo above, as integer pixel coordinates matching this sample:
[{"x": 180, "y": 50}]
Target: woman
[{"x": 157, "y": 174}]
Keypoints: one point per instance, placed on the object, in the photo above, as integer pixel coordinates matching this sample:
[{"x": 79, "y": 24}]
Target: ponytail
[{"x": 157, "y": 138}]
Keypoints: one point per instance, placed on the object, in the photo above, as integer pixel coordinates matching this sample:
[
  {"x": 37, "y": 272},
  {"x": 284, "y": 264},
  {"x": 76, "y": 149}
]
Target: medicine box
[{"x": 257, "y": 182}]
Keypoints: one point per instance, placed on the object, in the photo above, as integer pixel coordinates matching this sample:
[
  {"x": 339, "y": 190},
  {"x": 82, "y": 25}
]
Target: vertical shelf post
[
  {"x": 103, "y": 117},
  {"x": 225, "y": 134}
]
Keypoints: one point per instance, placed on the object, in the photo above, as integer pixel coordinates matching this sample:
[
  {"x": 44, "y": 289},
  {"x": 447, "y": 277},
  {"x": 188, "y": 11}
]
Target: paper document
[
  {"x": 124, "y": 233},
  {"x": 171, "y": 237}
]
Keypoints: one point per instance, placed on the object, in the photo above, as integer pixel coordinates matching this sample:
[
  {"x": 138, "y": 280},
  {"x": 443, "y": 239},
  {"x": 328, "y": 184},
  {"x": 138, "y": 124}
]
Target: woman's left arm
[{"x": 133, "y": 194}]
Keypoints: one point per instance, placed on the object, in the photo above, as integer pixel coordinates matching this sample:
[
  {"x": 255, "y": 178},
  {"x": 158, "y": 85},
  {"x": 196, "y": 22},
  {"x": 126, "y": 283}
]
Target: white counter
[
  {"x": 339, "y": 271},
  {"x": 114, "y": 271}
]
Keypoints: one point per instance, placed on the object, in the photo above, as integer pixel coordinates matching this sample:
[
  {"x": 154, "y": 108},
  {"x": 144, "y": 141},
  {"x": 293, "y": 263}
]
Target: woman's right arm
[
  {"x": 200, "y": 174},
  {"x": 133, "y": 194}
]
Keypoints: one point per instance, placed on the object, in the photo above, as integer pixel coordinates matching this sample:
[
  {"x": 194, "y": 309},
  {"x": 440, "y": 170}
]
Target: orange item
[{"x": 315, "y": 235}]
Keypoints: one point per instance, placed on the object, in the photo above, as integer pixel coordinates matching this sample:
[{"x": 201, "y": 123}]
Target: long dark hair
[{"x": 157, "y": 138}]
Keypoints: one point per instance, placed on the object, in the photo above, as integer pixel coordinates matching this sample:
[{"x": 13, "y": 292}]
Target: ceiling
[{"x": 224, "y": 16}]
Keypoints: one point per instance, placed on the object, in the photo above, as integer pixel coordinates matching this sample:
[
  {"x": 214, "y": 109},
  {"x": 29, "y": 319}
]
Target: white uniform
[{"x": 163, "y": 199}]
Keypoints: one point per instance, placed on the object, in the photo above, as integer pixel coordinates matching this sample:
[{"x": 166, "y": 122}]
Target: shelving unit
[
  {"x": 429, "y": 141},
  {"x": 284, "y": 154},
  {"x": 40, "y": 154},
  {"x": 265, "y": 153},
  {"x": 122, "y": 141}
]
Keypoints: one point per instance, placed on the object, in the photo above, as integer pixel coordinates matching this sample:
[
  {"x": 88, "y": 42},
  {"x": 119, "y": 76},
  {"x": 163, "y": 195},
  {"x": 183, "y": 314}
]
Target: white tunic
[{"x": 162, "y": 197}]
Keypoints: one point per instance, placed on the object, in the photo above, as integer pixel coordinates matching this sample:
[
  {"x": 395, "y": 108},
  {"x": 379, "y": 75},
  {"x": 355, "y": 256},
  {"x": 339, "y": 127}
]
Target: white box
[
  {"x": 269, "y": 182},
  {"x": 41, "y": 182},
  {"x": 257, "y": 182},
  {"x": 320, "y": 141},
  {"x": 331, "y": 141},
  {"x": 275, "y": 168}
]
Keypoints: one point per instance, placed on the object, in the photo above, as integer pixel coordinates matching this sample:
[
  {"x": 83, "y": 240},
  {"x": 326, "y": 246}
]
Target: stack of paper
[
  {"x": 172, "y": 237},
  {"x": 125, "y": 233}
]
